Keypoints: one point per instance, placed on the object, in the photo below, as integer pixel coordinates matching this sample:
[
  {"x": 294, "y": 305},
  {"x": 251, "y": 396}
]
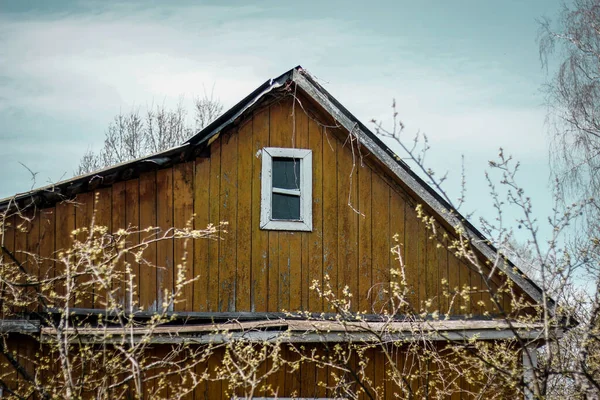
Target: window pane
[
  {"x": 286, "y": 173},
  {"x": 285, "y": 206}
]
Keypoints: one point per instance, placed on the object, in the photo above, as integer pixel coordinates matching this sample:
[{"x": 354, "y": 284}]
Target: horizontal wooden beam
[
  {"x": 297, "y": 331},
  {"x": 19, "y": 326},
  {"x": 259, "y": 316}
]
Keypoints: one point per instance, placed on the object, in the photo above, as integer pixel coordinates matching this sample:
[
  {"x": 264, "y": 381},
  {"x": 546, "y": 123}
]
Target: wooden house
[{"x": 309, "y": 194}]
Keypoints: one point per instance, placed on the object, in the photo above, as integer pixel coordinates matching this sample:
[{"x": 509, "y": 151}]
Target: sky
[{"x": 466, "y": 73}]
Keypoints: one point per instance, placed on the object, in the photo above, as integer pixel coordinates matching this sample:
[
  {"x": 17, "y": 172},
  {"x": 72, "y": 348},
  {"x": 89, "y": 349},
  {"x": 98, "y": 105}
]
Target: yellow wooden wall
[
  {"x": 448, "y": 379},
  {"x": 357, "y": 211}
]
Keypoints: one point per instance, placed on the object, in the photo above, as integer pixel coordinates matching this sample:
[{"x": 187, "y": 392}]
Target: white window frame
[{"x": 266, "y": 207}]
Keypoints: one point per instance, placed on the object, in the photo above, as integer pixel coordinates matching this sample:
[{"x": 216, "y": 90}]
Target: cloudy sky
[{"x": 466, "y": 73}]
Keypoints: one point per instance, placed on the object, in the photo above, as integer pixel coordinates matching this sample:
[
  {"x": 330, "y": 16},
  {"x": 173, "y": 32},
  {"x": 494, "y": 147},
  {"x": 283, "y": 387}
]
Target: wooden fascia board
[
  {"x": 261, "y": 336},
  {"x": 453, "y": 219},
  {"x": 19, "y": 326}
]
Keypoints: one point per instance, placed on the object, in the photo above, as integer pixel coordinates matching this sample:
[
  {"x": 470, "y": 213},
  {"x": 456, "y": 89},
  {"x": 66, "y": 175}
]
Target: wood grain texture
[
  {"x": 315, "y": 239},
  {"x": 47, "y": 243},
  {"x": 397, "y": 234},
  {"x": 300, "y": 281},
  {"x": 126, "y": 215},
  {"x": 65, "y": 224},
  {"x": 381, "y": 243},
  {"x": 228, "y": 212},
  {"x": 84, "y": 211},
  {"x": 165, "y": 268},
  {"x": 201, "y": 221},
  {"x": 215, "y": 219},
  {"x": 357, "y": 210},
  {"x": 260, "y": 239},
  {"x": 102, "y": 217},
  {"x": 148, "y": 272},
  {"x": 244, "y": 240},
  {"x": 411, "y": 255},
  {"x": 347, "y": 193},
  {"x": 330, "y": 211},
  {"x": 183, "y": 252}
]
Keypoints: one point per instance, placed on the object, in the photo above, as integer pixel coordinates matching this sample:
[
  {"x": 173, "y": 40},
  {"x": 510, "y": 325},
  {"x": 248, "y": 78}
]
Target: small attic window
[{"x": 286, "y": 189}]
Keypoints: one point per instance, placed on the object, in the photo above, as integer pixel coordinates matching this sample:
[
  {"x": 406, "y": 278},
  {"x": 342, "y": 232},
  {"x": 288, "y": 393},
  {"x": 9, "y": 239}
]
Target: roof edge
[
  {"x": 403, "y": 172},
  {"x": 67, "y": 188}
]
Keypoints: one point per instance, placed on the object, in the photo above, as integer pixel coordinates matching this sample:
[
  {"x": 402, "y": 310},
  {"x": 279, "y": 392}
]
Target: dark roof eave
[{"x": 69, "y": 187}]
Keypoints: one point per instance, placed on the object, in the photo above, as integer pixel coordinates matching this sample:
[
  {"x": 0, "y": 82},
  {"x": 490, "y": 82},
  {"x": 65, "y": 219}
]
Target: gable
[{"x": 362, "y": 199}]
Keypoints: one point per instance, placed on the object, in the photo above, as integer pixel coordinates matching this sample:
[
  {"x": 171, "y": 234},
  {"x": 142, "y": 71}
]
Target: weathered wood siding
[
  {"x": 425, "y": 379},
  {"x": 359, "y": 213}
]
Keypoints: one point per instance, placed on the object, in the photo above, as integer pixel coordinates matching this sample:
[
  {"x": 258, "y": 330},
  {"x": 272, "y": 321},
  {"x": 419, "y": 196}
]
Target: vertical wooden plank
[
  {"x": 465, "y": 286},
  {"x": 20, "y": 248},
  {"x": 32, "y": 265},
  {"x": 494, "y": 292},
  {"x": 215, "y": 389},
  {"x": 432, "y": 276},
  {"x": 228, "y": 212},
  {"x": 275, "y": 140},
  {"x": 260, "y": 238},
  {"x": 33, "y": 242},
  {"x": 330, "y": 211},
  {"x": 127, "y": 216},
  {"x": 315, "y": 238},
  {"x": 148, "y": 273},
  {"x": 422, "y": 262},
  {"x": 244, "y": 218},
  {"x": 214, "y": 246},
  {"x": 65, "y": 224},
  {"x": 47, "y": 226},
  {"x": 299, "y": 283},
  {"x": 380, "y": 373},
  {"x": 147, "y": 382},
  {"x": 444, "y": 278},
  {"x": 301, "y": 280},
  {"x": 321, "y": 372},
  {"x": 7, "y": 240},
  {"x": 365, "y": 281},
  {"x": 308, "y": 377},
  {"x": 83, "y": 218},
  {"x": 411, "y": 255},
  {"x": 288, "y": 243},
  {"x": 487, "y": 291},
  {"x": 477, "y": 288},
  {"x": 292, "y": 378},
  {"x": 454, "y": 378},
  {"x": 369, "y": 375},
  {"x": 506, "y": 294},
  {"x": 388, "y": 382},
  {"x": 454, "y": 283},
  {"x": 201, "y": 211},
  {"x": 381, "y": 243},
  {"x": 164, "y": 248},
  {"x": 201, "y": 390},
  {"x": 161, "y": 385},
  {"x": 347, "y": 186},
  {"x": 183, "y": 208},
  {"x": 9, "y": 374},
  {"x": 102, "y": 218},
  {"x": 397, "y": 236},
  {"x": 293, "y": 271}
]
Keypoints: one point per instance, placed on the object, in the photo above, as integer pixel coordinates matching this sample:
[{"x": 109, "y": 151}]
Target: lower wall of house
[{"x": 257, "y": 371}]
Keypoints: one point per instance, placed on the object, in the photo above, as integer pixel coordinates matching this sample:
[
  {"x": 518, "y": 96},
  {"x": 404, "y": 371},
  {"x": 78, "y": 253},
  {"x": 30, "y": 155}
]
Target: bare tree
[
  {"x": 133, "y": 135},
  {"x": 573, "y": 96}
]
